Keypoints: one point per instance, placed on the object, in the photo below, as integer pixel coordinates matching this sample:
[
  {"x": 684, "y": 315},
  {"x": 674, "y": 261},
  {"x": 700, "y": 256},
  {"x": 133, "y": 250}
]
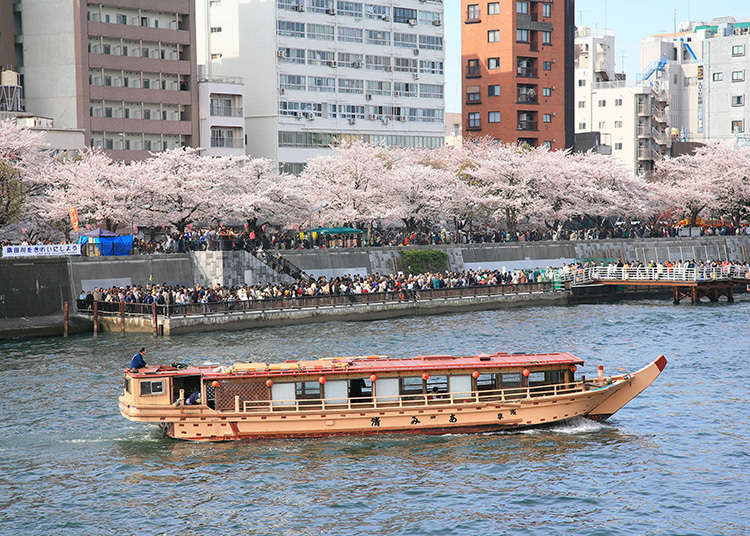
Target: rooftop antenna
[
  {"x": 580, "y": 18},
  {"x": 622, "y": 61}
]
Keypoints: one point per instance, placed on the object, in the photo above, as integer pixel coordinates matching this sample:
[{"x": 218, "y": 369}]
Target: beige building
[
  {"x": 453, "y": 130},
  {"x": 222, "y": 115},
  {"x": 123, "y": 71}
]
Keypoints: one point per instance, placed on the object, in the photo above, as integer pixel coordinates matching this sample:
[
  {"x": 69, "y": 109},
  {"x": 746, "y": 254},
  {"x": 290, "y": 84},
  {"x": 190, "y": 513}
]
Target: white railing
[
  {"x": 659, "y": 273},
  {"x": 411, "y": 400}
]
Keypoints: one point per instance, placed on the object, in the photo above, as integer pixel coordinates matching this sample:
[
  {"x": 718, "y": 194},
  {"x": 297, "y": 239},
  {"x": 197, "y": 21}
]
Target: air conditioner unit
[
  {"x": 297, "y": 115},
  {"x": 281, "y": 54},
  {"x": 331, "y": 11},
  {"x": 368, "y": 97},
  {"x": 416, "y": 76},
  {"x": 356, "y": 64},
  {"x": 352, "y": 121},
  {"x": 416, "y": 52},
  {"x": 385, "y": 120},
  {"x": 332, "y": 63},
  {"x": 388, "y": 68},
  {"x": 282, "y": 91},
  {"x": 436, "y": 23},
  {"x": 386, "y": 18},
  {"x": 299, "y": 7},
  {"x": 401, "y": 118},
  {"x": 309, "y": 116},
  {"x": 396, "y": 93},
  {"x": 372, "y": 117},
  {"x": 412, "y": 22}
]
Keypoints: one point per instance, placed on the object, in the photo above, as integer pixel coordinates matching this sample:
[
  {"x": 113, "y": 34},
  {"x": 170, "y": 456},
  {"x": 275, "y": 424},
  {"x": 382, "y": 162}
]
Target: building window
[
  {"x": 618, "y": 102},
  {"x": 473, "y": 96},
  {"x": 215, "y": 29},
  {"x": 738, "y": 100},
  {"x": 493, "y": 90},
  {"x": 581, "y": 83},
  {"x": 350, "y": 35},
  {"x": 405, "y": 15},
  {"x": 546, "y": 10},
  {"x": 522, "y": 7},
  {"x": 546, "y": 38},
  {"x": 602, "y": 103},
  {"x": 493, "y": 63},
  {"x": 472, "y": 68},
  {"x": 717, "y": 77},
  {"x": 546, "y": 91},
  {"x": 738, "y": 50},
  {"x": 375, "y": 37},
  {"x": 738, "y": 126},
  {"x": 493, "y": 117},
  {"x": 602, "y": 125},
  {"x": 352, "y": 9},
  {"x": 522, "y": 36},
  {"x": 472, "y": 12},
  {"x": 618, "y": 124},
  {"x": 474, "y": 120},
  {"x": 547, "y": 118},
  {"x": 493, "y": 8},
  {"x": 431, "y": 42},
  {"x": 493, "y": 36},
  {"x": 581, "y": 103},
  {"x": 618, "y": 146},
  {"x": 581, "y": 126},
  {"x": 547, "y": 65},
  {"x": 290, "y": 29},
  {"x": 738, "y": 76}
]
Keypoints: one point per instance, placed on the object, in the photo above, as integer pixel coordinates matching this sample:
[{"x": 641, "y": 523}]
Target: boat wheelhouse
[{"x": 374, "y": 394}]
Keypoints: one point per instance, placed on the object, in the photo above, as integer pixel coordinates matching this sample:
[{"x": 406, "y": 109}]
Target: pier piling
[
  {"x": 153, "y": 318},
  {"x": 66, "y": 319},
  {"x": 122, "y": 318},
  {"x": 96, "y": 318}
]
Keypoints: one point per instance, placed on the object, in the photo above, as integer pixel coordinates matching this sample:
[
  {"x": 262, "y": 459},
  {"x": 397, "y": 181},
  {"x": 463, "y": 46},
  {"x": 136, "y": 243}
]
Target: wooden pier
[{"x": 693, "y": 283}]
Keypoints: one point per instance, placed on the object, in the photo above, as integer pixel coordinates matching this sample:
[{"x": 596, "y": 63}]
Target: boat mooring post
[
  {"x": 66, "y": 317},
  {"x": 122, "y": 318},
  {"x": 96, "y": 318},
  {"x": 153, "y": 318}
]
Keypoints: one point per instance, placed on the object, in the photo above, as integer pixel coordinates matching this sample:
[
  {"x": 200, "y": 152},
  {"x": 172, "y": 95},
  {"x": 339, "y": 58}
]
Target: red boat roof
[{"x": 369, "y": 365}]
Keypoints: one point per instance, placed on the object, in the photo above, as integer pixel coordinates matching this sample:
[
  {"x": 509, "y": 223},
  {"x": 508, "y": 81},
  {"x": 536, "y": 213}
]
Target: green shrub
[{"x": 423, "y": 260}]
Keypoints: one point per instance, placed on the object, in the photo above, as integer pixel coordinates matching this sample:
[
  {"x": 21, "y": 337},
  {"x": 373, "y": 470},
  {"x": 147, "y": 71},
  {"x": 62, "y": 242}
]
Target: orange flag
[{"x": 74, "y": 218}]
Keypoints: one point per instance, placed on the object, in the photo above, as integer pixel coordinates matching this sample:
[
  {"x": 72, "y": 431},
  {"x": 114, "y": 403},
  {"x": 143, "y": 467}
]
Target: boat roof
[{"x": 367, "y": 365}]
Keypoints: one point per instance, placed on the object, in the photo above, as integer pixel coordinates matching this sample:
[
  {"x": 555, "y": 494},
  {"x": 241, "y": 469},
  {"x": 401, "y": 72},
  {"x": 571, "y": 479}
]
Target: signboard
[
  {"x": 42, "y": 250},
  {"x": 74, "y": 218}
]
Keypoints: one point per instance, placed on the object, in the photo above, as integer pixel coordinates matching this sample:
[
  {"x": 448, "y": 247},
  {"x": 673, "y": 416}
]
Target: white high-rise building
[
  {"x": 320, "y": 70},
  {"x": 707, "y": 75},
  {"x": 631, "y": 119}
]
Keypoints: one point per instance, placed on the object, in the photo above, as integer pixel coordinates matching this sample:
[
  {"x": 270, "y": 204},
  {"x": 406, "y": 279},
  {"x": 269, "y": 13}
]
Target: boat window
[
  {"x": 555, "y": 376},
  {"x": 307, "y": 390},
  {"x": 360, "y": 387},
  {"x": 187, "y": 384},
  {"x": 336, "y": 391},
  {"x": 152, "y": 387},
  {"x": 411, "y": 385},
  {"x": 460, "y": 386},
  {"x": 510, "y": 380},
  {"x": 437, "y": 384},
  {"x": 537, "y": 378},
  {"x": 386, "y": 390},
  {"x": 282, "y": 394},
  {"x": 127, "y": 385},
  {"x": 486, "y": 382}
]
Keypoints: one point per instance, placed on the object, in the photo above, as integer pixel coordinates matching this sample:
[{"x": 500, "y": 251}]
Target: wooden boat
[{"x": 433, "y": 394}]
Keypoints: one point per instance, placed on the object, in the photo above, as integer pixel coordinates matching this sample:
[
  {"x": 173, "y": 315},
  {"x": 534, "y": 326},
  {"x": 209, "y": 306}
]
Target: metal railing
[
  {"x": 443, "y": 398},
  {"x": 662, "y": 274},
  {"x": 306, "y": 302}
]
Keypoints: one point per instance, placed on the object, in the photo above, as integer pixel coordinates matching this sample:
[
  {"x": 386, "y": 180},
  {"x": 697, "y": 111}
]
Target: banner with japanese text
[
  {"x": 74, "y": 218},
  {"x": 42, "y": 250}
]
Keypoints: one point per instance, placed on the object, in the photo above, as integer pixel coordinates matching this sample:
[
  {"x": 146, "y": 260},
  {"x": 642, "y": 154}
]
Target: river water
[{"x": 676, "y": 460}]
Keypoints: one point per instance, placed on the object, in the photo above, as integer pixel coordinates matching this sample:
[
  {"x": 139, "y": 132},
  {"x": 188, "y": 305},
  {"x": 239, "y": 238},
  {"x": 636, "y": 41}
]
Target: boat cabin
[{"x": 351, "y": 382}]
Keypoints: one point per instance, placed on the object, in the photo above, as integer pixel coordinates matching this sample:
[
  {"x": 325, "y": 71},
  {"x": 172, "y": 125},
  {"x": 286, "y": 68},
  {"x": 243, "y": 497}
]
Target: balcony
[
  {"x": 526, "y": 72},
  {"x": 226, "y": 111},
  {"x": 526, "y": 125},
  {"x": 229, "y": 143},
  {"x": 527, "y": 98},
  {"x": 473, "y": 73},
  {"x": 645, "y": 153}
]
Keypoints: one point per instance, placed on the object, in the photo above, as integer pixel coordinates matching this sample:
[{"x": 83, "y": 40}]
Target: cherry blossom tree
[{"x": 21, "y": 151}]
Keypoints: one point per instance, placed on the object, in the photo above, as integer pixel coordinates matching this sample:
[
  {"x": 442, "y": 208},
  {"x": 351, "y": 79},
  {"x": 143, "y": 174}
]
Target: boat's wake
[{"x": 576, "y": 425}]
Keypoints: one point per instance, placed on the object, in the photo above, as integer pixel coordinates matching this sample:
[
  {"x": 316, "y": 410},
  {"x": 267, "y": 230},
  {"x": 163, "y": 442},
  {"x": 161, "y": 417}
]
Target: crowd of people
[{"x": 165, "y": 294}]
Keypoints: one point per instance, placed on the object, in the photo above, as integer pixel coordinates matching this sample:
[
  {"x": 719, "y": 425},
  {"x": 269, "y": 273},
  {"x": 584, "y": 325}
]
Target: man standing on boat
[{"x": 138, "y": 362}]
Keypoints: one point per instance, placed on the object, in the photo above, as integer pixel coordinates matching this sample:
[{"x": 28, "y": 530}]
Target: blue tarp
[{"x": 109, "y": 245}]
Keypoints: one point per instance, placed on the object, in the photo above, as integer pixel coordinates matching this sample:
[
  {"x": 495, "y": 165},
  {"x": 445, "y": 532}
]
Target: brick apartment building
[{"x": 518, "y": 70}]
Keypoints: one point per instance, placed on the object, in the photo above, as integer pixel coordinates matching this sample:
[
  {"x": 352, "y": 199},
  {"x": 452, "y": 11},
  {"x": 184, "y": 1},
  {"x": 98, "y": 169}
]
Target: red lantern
[
  {"x": 215, "y": 383},
  {"x": 425, "y": 376},
  {"x": 526, "y": 372},
  {"x": 475, "y": 374},
  {"x": 573, "y": 368},
  {"x": 373, "y": 378},
  {"x": 269, "y": 383},
  {"x": 322, "y": 380}
]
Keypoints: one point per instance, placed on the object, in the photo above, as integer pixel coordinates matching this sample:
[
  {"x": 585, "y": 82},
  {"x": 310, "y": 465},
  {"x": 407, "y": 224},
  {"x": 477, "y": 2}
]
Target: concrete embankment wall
[{"x": 35, "y": 287}]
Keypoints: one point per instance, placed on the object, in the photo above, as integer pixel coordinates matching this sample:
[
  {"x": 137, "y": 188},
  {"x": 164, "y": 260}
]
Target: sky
[{"x": 630, "y": 20}]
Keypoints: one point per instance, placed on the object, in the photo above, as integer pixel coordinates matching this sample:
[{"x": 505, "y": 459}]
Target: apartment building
[
  {"x": 320, "y": 70},
  {"x": 706, "y": 70},
  {"x": 518, "y": 71},
  {"x": 631, "y": 119},
  {"x": 123, "y": 71},
  {"x": 221, "y": 101}
]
